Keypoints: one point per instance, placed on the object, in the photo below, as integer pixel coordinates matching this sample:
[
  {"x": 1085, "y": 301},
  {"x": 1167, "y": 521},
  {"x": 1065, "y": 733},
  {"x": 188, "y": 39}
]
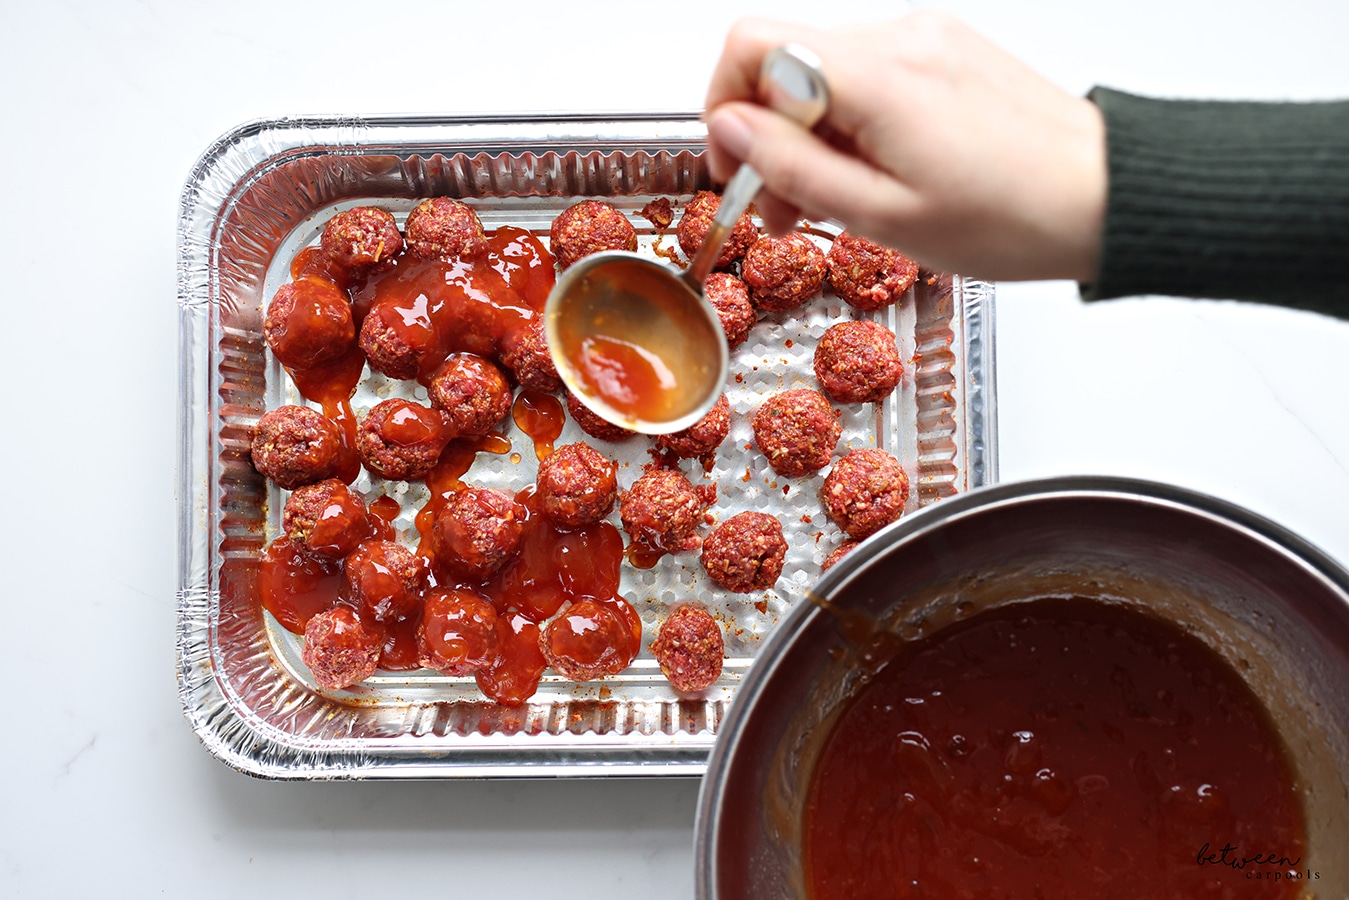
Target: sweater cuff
[{"x": 1236, "y": 200}]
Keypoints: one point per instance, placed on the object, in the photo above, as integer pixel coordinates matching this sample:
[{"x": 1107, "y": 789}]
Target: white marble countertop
[{"x": 105, "y": 790}]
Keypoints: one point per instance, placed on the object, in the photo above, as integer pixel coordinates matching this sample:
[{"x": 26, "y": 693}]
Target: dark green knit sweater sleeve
[{"x": 1248, "y": 201}]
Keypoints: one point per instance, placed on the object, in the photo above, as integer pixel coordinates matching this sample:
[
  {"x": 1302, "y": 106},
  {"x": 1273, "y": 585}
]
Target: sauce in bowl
[{"x": 1056, "y": 748}]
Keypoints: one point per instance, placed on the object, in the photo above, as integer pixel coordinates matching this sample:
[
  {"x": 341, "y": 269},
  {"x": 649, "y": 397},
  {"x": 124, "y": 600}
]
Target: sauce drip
[
  {"x": 540, "y": 416},
  {"x": 1057, "y": 748}
]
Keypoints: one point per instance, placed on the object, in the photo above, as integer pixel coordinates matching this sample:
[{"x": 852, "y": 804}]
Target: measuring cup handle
[{"x": 790, "y": 83}]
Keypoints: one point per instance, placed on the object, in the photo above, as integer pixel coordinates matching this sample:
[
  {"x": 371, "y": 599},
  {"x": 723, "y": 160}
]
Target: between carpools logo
[{"x": 1269, "y": 866}]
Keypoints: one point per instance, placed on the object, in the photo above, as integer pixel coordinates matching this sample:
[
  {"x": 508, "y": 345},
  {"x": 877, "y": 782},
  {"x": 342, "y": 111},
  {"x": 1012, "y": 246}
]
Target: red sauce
[
  {"x": 295, "y": 587},
  {"x": 632, "y": 380},
  {"x": 523, "y": 263},
  {"x": 554, "y": 566},
  {"x": 399, "y": 653},
  {"x": 598, "y": 635},
  {"x": 386, "y": 509},
  {"x": 514, "y": 676},
  {"x": 312, "y": 262},
  {"x": 412, "y": 424},
  {"x": 331, "y": 385},
  {"x": 540, "y": 416},
  {"x": 340, "y": 526},
  {"x": 438, "y": 308},
  {"x": 444, "y": 480},
  {"x": 1059, "y": 748}
]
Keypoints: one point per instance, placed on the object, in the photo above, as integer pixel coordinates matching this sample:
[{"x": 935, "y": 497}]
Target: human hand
[{"x": 936, "y": 143}]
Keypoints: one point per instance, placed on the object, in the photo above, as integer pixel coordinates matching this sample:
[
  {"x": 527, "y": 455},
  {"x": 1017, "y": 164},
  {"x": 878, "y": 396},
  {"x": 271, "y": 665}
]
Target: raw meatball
[
  {"x": 690, "y": 649},
  {"x": 592, "y": 639},
  {"x": 325, "y": 519},
  {"x": 393, "y": 344},
  {"x": 457, "y": 635},
  {"x": 783, "y": 272},
  {"x": 702, "y": 438},
  {"x": 590, "y": 226},
  {"x": 838, "y": 553},
  {"x": 745, "y": 553},
  {"x": 865, "y": 491},
  {"x": 858, "y": 362},
  {"x": 867, "y": 275},
  {"x": 471, "y": 391},
  {"x": 526, "y": 354},
  {"x": 697, "y": 219},
  {"x": 308, "y": 323},
  {"x": 662, "y": 510},
  {"x": 658, "y": 212},
  {"x": 797, "y": 430},
  {"x": 386, "y": 578},
  {"x": 593, "y": 424},
  {"x": 577, "y": 485},
  {"x": 340, "y": 649},
  {"x": 730, "y": 298},
  {"x": 295, "y": 445},
  {"x": 442, "y": 228},
  {"x": 361, "y": 238},
  {"x": 477, "y": 532},
  {"x": 401, "y": 440}
]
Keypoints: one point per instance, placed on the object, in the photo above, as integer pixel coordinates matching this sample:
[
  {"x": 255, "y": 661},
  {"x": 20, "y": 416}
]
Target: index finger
[{"x": 736, "y": 76}]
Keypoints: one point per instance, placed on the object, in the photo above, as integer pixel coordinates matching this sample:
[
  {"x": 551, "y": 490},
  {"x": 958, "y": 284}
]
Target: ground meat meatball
[
  {"x": 593, "y": 424},
  {"x": 703, "y": 437},
  {"x": 866, "y": 275},
  {"x": 361, "y": 238},
  {"x": 690, "y": 649},
  {"x": 797, "y": 430},
  {"x": 590, "y": 226},
  {"x": 477, "y": 532},
  {"x": 525, "y": 353},
  {"x": 730, "y": 298},
  {"x": 592, "y": 639},
  {"x": 340, "y": 649},
  {"x": 858, "y": 362},
  {"x": 745, "y": 552},
  {"x": 577, "y": 485},
  {"x": 782, "y": 272},
  {"x": 457, "y": 635},
  {"x": 295, "y": 445},
  {"x": 391, "y": 344},
  {"x": 401, "y": 440},
  {"x": 697, "y": 219},
  {"x": 308, "y": 323},
  {"x": 838, "y": 553},
  {"x": 325, "y": 519},
  {"x": 865, "y": 491},
  {"x": 442, "y": 228},
  {"x": 662, "y": 511},
  {"x": 471, "y": 391},
  {"x": 386, "y": 578}
]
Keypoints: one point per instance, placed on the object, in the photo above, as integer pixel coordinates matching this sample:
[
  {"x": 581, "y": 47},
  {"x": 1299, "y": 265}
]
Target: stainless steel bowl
[{"x": 1271, "y": 604}]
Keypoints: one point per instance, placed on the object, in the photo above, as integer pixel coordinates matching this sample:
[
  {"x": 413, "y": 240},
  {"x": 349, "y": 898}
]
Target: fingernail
[{"x": 730, "y": 132}]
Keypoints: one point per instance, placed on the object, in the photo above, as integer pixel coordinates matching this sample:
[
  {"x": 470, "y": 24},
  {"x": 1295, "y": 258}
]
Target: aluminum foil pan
[{"x": 264, "y": 191}]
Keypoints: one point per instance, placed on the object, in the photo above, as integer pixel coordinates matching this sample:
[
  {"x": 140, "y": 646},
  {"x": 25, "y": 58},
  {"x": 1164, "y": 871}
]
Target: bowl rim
[{"x": 979, "y": 501}]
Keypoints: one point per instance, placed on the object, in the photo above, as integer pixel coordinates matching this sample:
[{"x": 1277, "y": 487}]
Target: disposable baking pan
[{"x": 263, "y": 192}]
